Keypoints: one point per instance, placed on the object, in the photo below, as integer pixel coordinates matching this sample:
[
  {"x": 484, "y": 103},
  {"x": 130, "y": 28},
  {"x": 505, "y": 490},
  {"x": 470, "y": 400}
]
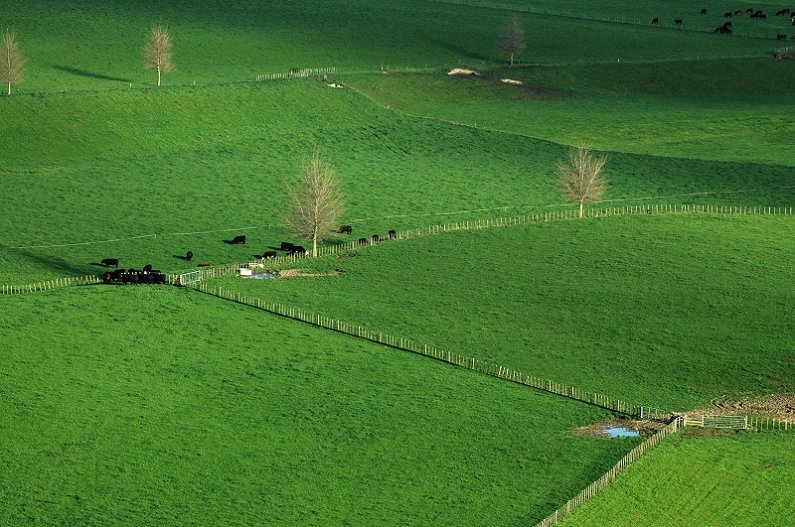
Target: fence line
[
  {"x": 468, "y": 225},
  {"x": 46, "y": 285},
  {"x": 297, "y": 74},
  {"x": 591, "y": 490},
  {"x": 447, "y": 356},
  {"x": 740, "y": 422}
]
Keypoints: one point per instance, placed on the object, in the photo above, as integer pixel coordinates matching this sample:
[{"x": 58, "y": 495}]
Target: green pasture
[
  {"x": 147, "y": 175},
  {"x": 725, "y": 481},
  {"x": 664, "y": 311},
  {"x": 155, "y": 406}
]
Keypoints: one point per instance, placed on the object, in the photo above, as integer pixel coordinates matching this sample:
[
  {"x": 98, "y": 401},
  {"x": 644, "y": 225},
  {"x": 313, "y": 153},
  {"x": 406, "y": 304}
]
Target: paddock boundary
[{"x": 446, "y": 356}]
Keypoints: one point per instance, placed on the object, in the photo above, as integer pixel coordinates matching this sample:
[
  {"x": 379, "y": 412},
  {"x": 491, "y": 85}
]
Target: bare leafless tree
[
  {"x": 316, "y": 202},
  {"x": 580, "y": 177},
  {"x": 158, "y": 54},
  {"x": 512, "y": 38},
  {"x": 12, "y": 60}
]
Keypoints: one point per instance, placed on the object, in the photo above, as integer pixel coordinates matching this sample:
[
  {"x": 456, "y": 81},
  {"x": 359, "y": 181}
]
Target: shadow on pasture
[
  {"x": 53, "y": 263},
  {"x": 181, "y": 257},
  {"x": 90, "y": 74},
  {"x": 463, "y": 52}
]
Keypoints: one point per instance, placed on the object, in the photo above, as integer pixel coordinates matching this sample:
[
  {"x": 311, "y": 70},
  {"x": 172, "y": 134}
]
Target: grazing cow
[
  {"x": 269, "y": 254},
  {"x": 780, "y": 13},
  {"x": 204, "y": 264},
  {"x": 392, "y": 235},
  {"x": 345, "y": 229},
  {"x": 727, "y": 24},
  {"x": 189, "y": 256},
  {"x": 148, "y": 268},
  {"x": 655, "y": 21},
  {"x": 239, "y": 239},
  {"x": 106, "y": 277},
  {"x": 678, "y": 21},
  {"x": 781, "y": 36},
  {"x": 286, "y": 246},
  {"x": 703, "y": 11},
  {"x": 739, "y": 12},
  {"x": 362, "y": 241},
  {"x": 724, "y": 30},
  {"x": 749, "y": 10},
  {"x": 297, "y": 249},
  {"x": 376, "y": 238},
  {"x": 107, "y": 262},
  {"x": 117, "y": 274},
  {"x": 727, "y": 14}
]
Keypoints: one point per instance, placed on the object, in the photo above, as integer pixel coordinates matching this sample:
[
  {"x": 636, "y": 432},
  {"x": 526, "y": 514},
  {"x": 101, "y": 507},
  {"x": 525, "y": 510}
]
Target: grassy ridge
[
  {"x": 152, "y": 406},
  {"x": 662, "y": 311},
  {"x": 724, "y": 481}
]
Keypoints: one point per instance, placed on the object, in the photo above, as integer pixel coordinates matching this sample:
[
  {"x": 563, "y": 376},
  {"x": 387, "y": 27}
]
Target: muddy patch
[
  {"x": 302, "y": 273},
  {"x": 619, "y": 428},
  {"x": 779, "y": 406}
]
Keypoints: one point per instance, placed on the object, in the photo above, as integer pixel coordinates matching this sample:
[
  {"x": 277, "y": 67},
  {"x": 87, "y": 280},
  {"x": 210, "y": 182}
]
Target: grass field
[
  {"x": 141, "y": 406},
  {"x": 691, "y": 307},
  {"x": 153, "y": 406},
  {"x": 725, "y": 481}
]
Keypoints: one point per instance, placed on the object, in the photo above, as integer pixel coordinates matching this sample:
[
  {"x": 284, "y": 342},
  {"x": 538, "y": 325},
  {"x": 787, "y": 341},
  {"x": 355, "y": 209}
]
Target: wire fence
[
  {"x": 541, "y": 217},
  {"x": 591, "y": 490},
  {"x": 405, "y": 344},
  {"x": 46, "y": 285},
  {"x": 297, "y": 74}
]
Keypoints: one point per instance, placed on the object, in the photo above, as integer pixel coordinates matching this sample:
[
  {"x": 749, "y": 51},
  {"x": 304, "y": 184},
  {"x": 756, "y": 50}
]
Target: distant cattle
[
  {"x": 727, "y": 24},
  {"x": 727, "y": 14},
  {"x": 362, "y": 241},
  {"x": 239, "y": 239},
  {"x": 703, "y": 11},
  {"x": 345, "y": 229},
  {"x": 739, "y": 12},
  {"x": 749, "y": 10},
  {"x": 286, "y": 246},
  {"x": 655, "y": 21},
  {"x": 759, "y": 15},
  {"x": 148, "y": 268},
  {"x": 116, "y": 275},
  {"x": 376, "y": 238},
  {"x": 725, "y": 30},
  {"x": 297, "y": 249},
  {"x": 269, "y": 254},
  {"x": 678, "y": 21},
  {"x": 106, "y": 277},
  {"x": 107, "y": 262},
  {"x": 189, "y": 256},
  {"x": 781, "y": 36},
  {"x": 392, "y": 235}
]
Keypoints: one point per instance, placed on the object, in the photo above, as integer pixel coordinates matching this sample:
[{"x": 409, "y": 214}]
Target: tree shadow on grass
[
  {"x": 90, "y": 74},
  {"x": 55, "y": 264},
  {"x": 463, "y": 52}
]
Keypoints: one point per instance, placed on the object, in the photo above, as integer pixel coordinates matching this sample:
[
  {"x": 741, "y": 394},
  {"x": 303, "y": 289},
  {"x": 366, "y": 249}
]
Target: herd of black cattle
[
  {"x": 753, "y": 14},
  {"x": 147, "y": 275}
]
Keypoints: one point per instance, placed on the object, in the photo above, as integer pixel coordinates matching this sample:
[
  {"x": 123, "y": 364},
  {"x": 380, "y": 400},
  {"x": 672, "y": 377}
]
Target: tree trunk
[
  {"x": 9, "y": 87},
  {"x": 581, "y": 209},
  {"x": 314, "y": 245},
  {"x": 158, "y": 76},
  {"x": 511, "y": 59}
]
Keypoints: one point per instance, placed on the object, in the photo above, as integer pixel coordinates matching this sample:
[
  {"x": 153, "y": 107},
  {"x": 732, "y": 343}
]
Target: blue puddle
[
  {"x": 263, "y": 276},
  {"x": 619, "y": 431}
]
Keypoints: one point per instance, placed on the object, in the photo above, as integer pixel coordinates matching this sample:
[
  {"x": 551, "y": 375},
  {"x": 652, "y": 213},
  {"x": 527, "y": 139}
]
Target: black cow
[
  {"x": 739, "y": 12},
  {"x": 189, "y": 256},
  {"x": 781, "y": 36},
  {"x": 239, "y": 239},
  {"x": 297, "y": 249},
  {"x": 725, "y": 30},
  {"x": 703, "y": 11},
  {"x": 117, "y": 274},
  {"x": 749, "y": 10},
  {"x": 148, "y": 268},
  {"x": 376, "y": 238},
  {"x": 286, "y": 246},
  {"x": 362, "y": 241},
  {"x": 345, "y": 229},
  {"x": 727, "y": 24},
  {"x": 107, "y": 262},
  {"x": 655, "y": 21},
  {"x": 678, "y": 21},
  {"x": 269, "y": 254},
  {"x": 727, "y": 14},
  {"x": 392, "y": 235}
]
